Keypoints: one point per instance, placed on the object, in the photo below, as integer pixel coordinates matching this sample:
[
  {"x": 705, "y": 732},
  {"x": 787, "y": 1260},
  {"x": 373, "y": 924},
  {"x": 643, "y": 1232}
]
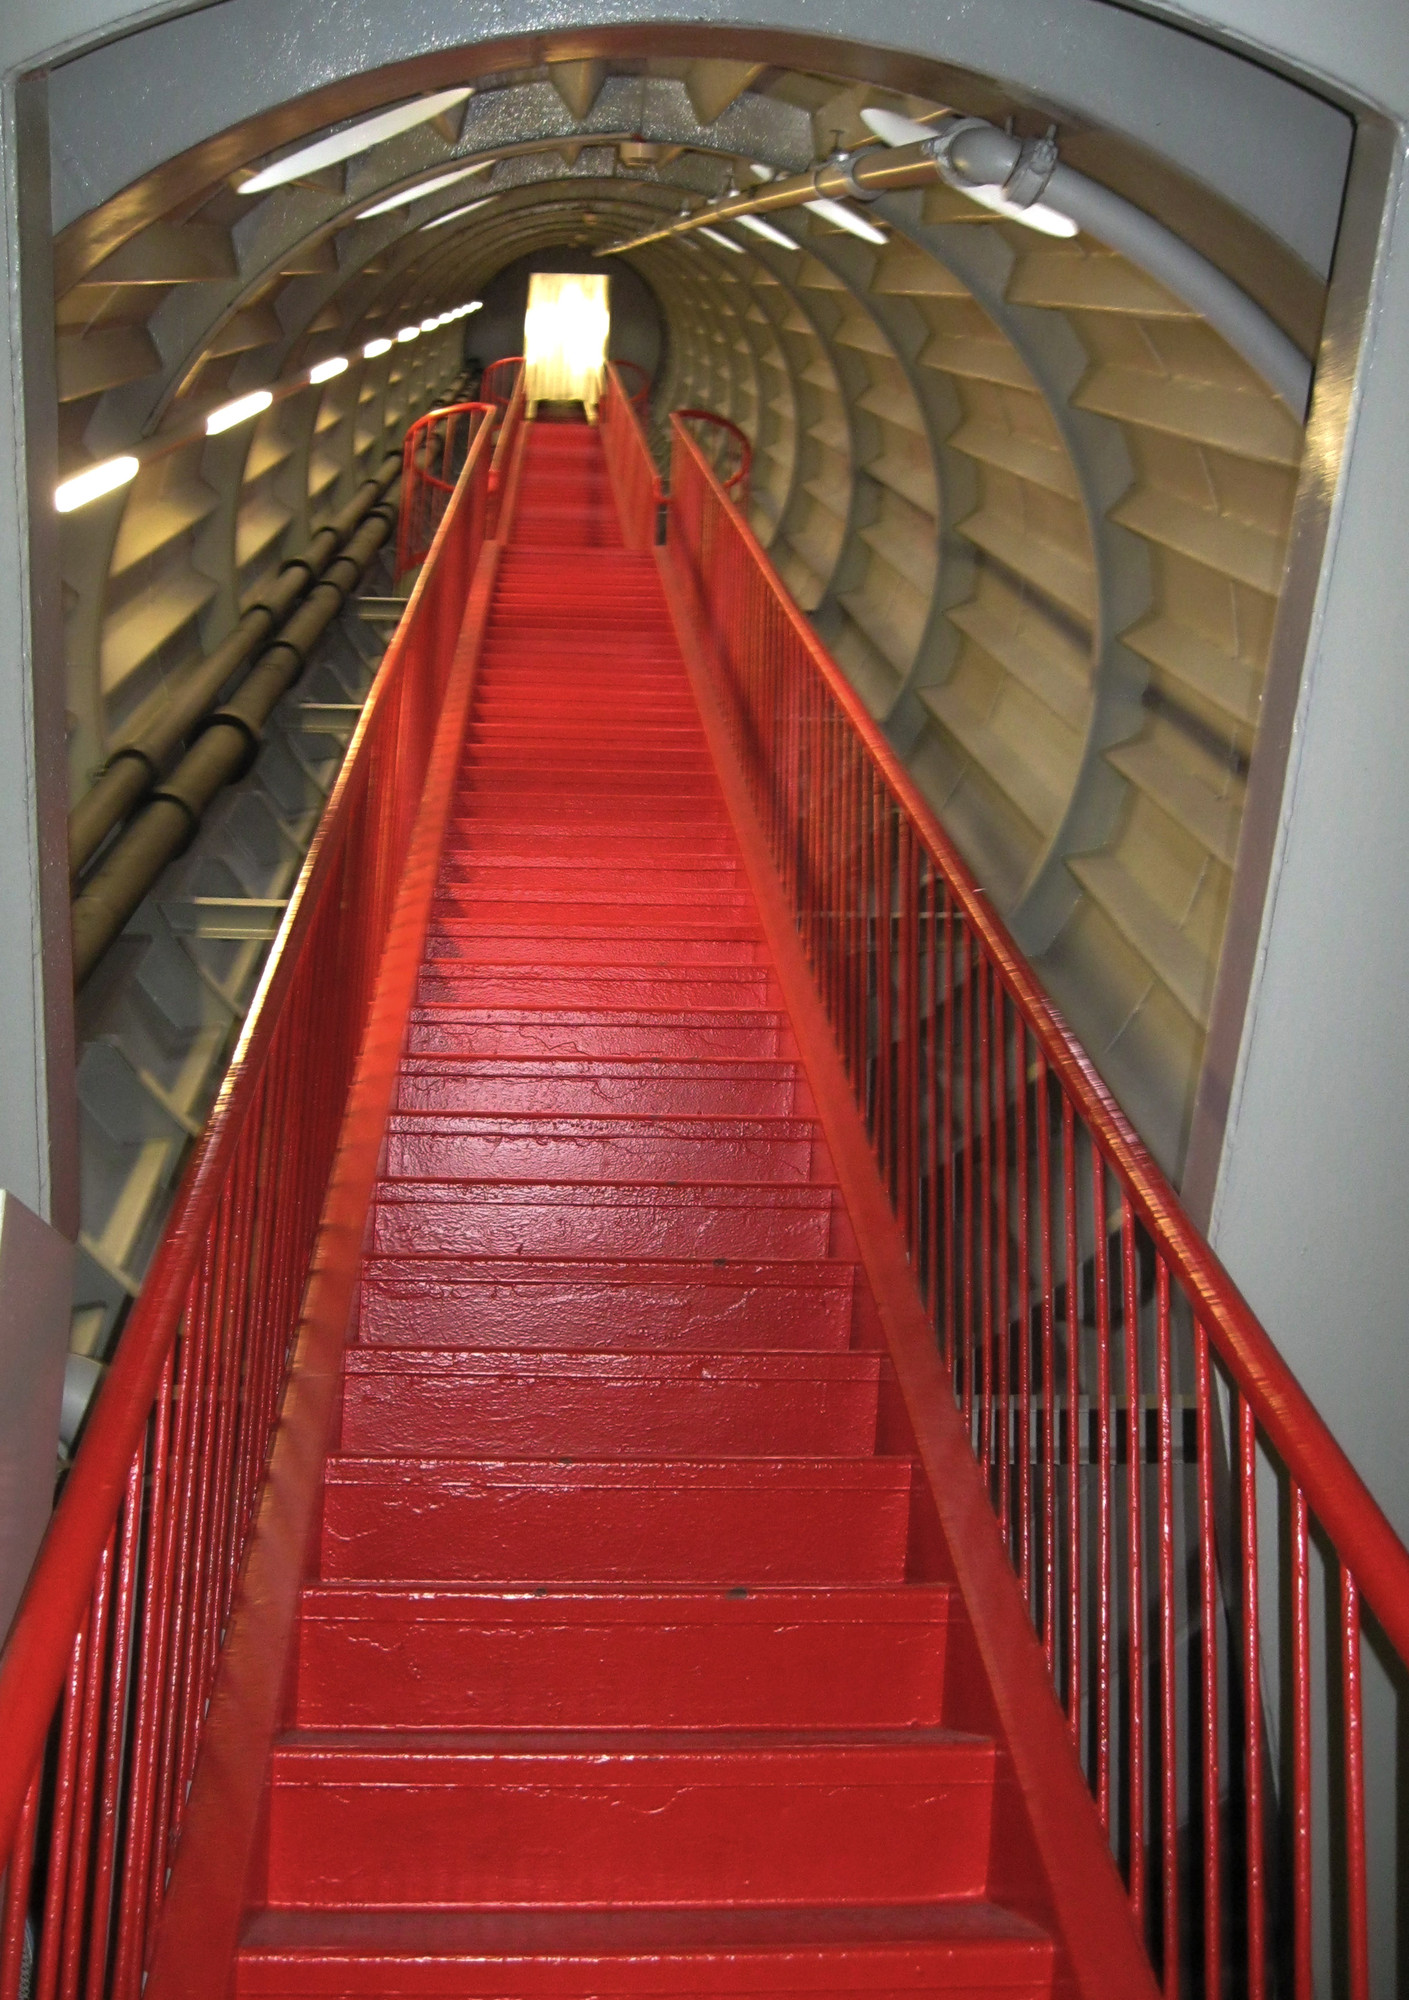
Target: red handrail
[
  {"x": 630, "y": 467},
  {"x": 111, "y": 1658},
  {"x": 726, "y": 432},
  {"x": 435, "y": 449},
  {"x": 1085, "y": 1324}
]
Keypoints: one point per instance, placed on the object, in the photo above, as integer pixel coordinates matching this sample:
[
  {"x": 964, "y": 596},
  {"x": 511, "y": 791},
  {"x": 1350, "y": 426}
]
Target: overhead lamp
[
  {"x": 724, "y": 242},
  {"x": 454, "y": 214},
  {"x": 766, "y": 229},
  {"x": 429, "y": 325},
  {"x": 760, "y": 172},
  {"x": 375, "y": 347},
  {"x": 409, "y": 333},
  {"x": 238, "y": 412},
  {"x": 841, "y": 217},
  {"x": 355, "y": 139},
  {"x": 94, "y": 482},
  {"x": 1040, "y": 215},
  {"x": 324, "y": 371},
  {"x": 408, "y": 195}
]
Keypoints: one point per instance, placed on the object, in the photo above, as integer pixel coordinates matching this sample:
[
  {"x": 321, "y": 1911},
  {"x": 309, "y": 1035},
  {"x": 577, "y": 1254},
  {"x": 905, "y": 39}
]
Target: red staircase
[{"x": 623, "y": 1671}]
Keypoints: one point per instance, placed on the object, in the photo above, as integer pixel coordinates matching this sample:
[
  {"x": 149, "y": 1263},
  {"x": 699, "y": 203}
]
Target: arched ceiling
[{"x": 1036, "y": 507}]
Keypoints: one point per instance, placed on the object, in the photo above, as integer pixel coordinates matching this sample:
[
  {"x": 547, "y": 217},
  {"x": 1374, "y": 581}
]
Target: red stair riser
[
  {"x": 775, "y": 1659},
  {"x": 516, "y": 1827},
  {"x": 739, "y": 1522},
  {"x": 676, "y": 1089},
  {"x": 493, "y": 1305},
  {"x": 696, "y": 1219},
  {"x": 618, "y": 1032},
  {"x": 440, "y": 1147},
  {"x": 516, "y": 1404}
]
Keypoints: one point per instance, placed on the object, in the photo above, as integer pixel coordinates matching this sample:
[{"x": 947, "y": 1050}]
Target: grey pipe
[
  {"x": 972, "y": 153},
  {"x": 136, "y": 765},
  {"x": 224, "y": 750},
  {"x": 969, "y": 152}
]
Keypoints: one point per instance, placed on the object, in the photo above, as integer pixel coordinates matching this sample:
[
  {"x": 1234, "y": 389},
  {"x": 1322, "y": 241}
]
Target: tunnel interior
[{"x": 1033, "y": 502}]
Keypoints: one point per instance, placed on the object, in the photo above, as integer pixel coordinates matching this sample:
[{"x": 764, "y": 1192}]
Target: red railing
[
  {"x": 504, "y": 449},
  {"x": 630, "y": 467},
  {"x": 1164, "y": 1487},
  {"x": 111, "y": 1659},
  {"x": 726, "y": 447},
  {"x": 432, "y": 458},
  {"x": 501, "y": 377}
]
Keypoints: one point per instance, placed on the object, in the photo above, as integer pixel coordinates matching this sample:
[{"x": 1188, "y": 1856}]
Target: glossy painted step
[
  {"x": 964, "y": 1950},
  {"x": 618, "y": 1031},
  {"x": 442, "y": 1146},
  {"x": 644, "y": 1659},
  {"x": 699, "y": 1219},
  {"x": 711, "y": 1089},
  {"x": 588, "y": 988},
  {"x": 719, "y": 1305},
  {"x": 525, "y": 1821},
  {"x": 730, "y": 1521},
  {"x": 456, "y": 938},
  {"x": 529, "y": 1403}
]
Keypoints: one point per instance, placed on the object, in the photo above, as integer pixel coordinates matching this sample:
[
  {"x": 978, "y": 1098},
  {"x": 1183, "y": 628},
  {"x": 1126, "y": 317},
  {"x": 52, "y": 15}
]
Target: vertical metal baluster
[
  {"x": 15, "y": 1915},
  {"x": 1208, "y": 1593},
  {"x": 983, "y": 1085},
  {"x": 51, "y": 1934},
  {"x": 1252, "y": 1702},
  {"x": 1075, "y": 1581},
  {"x": 1357, "y": 1911},
  {"x": 1169, "y": 1711},
  {"x": 1048, "y": 1394},
  {"x": 1303, "y": 1982},
  {"x": 1135, "y": 1556},
  {"x": 1002, "y": 1313},
  {"x": 948, "y": 960},
  {"x": 90, "y": 1739},
  {"x": 1105, "y": 1488},
  {"x": 114, "y": 1737},
  {"x": 1024, "y": 1311}
]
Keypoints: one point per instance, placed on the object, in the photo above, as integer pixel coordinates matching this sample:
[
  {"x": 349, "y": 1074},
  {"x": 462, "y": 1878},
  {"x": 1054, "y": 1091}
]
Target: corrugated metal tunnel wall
[{"x": 1037, "y": 508}]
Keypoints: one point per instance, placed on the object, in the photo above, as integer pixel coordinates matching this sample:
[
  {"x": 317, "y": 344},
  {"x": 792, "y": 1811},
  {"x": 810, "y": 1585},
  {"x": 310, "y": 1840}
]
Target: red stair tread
[{"x": 610, "y": 1679}]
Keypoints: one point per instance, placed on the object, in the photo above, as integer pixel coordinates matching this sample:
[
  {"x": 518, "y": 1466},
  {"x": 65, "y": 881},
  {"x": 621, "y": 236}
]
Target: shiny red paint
[
  {"x": 432, "y": 456},
  {"x": 917, "y": 975},
  {"x": 114, "y": 1650},
  {"x": 716, "y": 1211}
]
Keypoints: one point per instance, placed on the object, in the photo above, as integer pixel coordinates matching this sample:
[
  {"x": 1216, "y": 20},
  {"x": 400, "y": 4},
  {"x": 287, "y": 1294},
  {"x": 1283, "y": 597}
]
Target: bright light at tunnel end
[
  {"x": 93, "y": 482},
  {"x": 238, "y": 412}
]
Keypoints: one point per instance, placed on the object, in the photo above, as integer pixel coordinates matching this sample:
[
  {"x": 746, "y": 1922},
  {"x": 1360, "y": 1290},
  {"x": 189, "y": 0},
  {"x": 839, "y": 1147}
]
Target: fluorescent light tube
[
  {"x": 376, "y": 347},
  {"x": 408, "y": 195},
  {"x": 725, "y": 242},
  {"x": 454, "y": 214},
  {"x": 324, "y": 371},
  {"x": 238, "y": 412},
  {"x": 409, "y": 333},
  {"x": 92, "y": 483},
  {"x": 845, "y": 218},
  {"x": 355, "y": 139},
  {"x": 766, "y": 229}
]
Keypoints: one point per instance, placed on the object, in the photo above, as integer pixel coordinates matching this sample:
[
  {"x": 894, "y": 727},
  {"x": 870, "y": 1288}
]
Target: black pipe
[
  {"x": 227, "y": 745},
  {"x": 135, "y": 767}
]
